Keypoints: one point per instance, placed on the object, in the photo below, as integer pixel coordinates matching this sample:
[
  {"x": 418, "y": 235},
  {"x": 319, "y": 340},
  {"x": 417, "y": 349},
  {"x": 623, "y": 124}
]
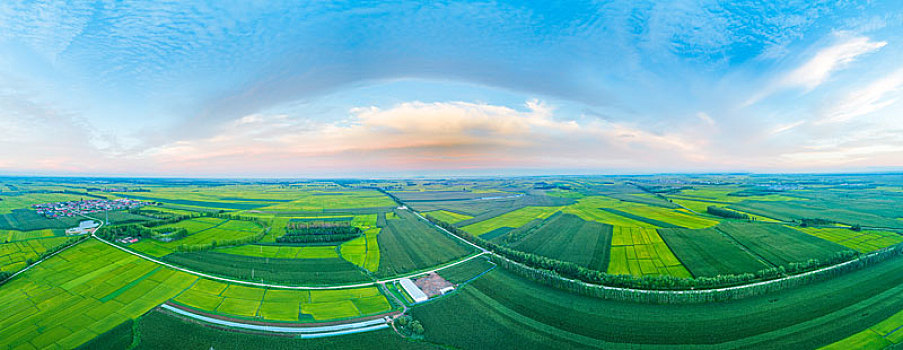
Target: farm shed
[{"x": 409, "y": 287}]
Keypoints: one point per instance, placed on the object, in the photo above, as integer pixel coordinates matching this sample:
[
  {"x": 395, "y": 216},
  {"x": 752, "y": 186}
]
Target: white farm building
[{"x": 409, "y": 287}]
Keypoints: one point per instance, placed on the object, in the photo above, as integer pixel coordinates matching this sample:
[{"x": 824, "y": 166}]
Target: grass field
[
  {"x": 15, "y": 256},
  {"x": 448, "y": 216},
  {"x": 512, "y": 219},
  {"x": 862, "y": 241},
  {"x": 641, "y": 251},
  {"x": 535, "y": 316},
  {"x": 80, "y": 293},
  {"x": 779, "y": 245},
  {"x": 708, "y": 252},
  {"x": 282, "y": 305},
  {"x": 569, "y": 238},
  {"x": 408, "y": 243}
]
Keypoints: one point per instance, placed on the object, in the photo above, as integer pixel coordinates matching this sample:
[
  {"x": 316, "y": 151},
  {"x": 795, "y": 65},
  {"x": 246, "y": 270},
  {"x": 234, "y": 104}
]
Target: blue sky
[{"x": 263, "y": 88}]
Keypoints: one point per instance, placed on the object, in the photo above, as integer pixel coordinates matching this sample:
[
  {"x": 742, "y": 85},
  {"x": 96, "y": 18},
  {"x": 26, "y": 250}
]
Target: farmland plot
[
  {"x": 641, "y": 251},
  {"x": 408, "y": 243},
  {"x": 779, "y": 245},
  {"x": 569, "y": 238},
  {"x": 512, "y": 219},
  {"x": 282, "y": 305},
  {"x": 80, "y": 293},
  {"x": 276, "y": 270},
  {"x": 16, "y": 255},
  {"x": 708, "y": 252},
  {"x": 862, "y": 241}
]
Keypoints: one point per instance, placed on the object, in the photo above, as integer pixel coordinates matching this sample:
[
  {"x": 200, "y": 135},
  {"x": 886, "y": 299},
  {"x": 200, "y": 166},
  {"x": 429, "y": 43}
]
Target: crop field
[
  {"x": 466, "y": 271},
  {"x": 408, "y": 243},
  {"x": 16, "y": 235},
  {"x": 363, "y": 251},
  {"x": 283, "y": 305},
  {"x": 708, "y": 252},
  {"x": 80, "y": 293},
  {"x": 298, "y": 271},
  {"x": 200, "y": 231},
  {"x": 512, "y": 219},
  {"x": 16, "y": 255},
  {"x": 862, "y": 241},
  {"x": 841, "y": 210},
  {"x": 448, "y": 216},
  {"x": 779, "y": 245},
  {"x": 569, "y": 238},
  {"x": 282, "y": 252},
  {"x": 321, "y": 200},
  {"x": 641, "y": 251},
  {"x": 531, "y": 315}
]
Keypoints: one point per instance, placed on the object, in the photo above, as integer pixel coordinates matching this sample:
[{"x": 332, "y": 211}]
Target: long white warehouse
[{"x": 409, "y": 287}]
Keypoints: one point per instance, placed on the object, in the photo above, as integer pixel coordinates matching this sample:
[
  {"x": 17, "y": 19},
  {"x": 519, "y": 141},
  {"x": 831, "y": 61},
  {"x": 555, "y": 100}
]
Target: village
[{"x": 73, "y": 208}]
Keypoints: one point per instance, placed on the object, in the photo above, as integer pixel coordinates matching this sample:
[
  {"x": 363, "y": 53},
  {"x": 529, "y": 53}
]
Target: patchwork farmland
[{"x": 520, "y": 256}]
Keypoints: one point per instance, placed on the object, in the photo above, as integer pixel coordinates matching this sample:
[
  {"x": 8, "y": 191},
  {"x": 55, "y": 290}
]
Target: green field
[
  {"x": 535, "y": 316},
  {"x": 448, "y": 216},
  {"x": 363, "y": 251},
  {"x": 466, "y": 271},
  {"x": 408, "y": 243},
  {"x": 862, "y": 241},
  {"x": 641, "y": 251},
  {"x": 16, "y": 255},
  {"x": 708, "y": 252},
  {"x": 201, "y": 231},
  {"x": 282, "y": 252},
  {"x": 275, "y": 270},
  {"x": 512, "y": 219},
  {"x": 282, "y": 305},
  {"x": 779, "y": 245},
  {"x": 567, "y": 237},
  {"x": 7, "y": 236},
  {"x": 80, "y": 293}
]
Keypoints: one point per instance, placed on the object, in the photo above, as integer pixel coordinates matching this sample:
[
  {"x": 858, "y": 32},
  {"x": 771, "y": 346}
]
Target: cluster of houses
[{"x": 73, "y": 208}]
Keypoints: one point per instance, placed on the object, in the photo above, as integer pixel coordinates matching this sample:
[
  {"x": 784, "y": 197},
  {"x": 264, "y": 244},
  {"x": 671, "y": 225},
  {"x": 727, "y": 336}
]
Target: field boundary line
[{"x": 79, "y": 241}]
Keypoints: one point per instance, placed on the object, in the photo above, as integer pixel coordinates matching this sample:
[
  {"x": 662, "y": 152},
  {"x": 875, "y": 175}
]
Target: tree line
[{"x": 726, "y": 213}]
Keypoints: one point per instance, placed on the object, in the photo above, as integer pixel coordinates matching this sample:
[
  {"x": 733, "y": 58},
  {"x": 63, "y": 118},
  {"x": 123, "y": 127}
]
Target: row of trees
[
  {"x": 543, "y": 268},
  {"x": 726, "y": 213},
  {"x": 317, "y": 238},
  {"x": 187, "y": 248}
]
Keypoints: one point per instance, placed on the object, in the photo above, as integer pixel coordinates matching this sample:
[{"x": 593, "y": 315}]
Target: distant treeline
[
  {"x": 726, "y": 213},
  {"x": 570, "y": 276}
]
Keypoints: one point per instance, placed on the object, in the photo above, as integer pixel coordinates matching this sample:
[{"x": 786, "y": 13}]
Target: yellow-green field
[
  {"x": 283, "y": 305},
  {"x": 80, "y": 293},
  {"x": 880, "y": 336},
  {"x": 862, "y": 241},
  {"x": 512, "y": 219},
  {"x": 14, "y": 235},
  {"x": 448, "y": 216},
  {"x": 363, "y": 251},
  {"x": 641, "y": 251},
  {"x": 14, "y": 256}
]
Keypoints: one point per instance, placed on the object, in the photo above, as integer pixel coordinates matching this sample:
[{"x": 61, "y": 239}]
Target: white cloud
[
  {"x": 817, "y": 70},
  {"x": 862, "y": 101},
  {"x": 828, "y": 60}
]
